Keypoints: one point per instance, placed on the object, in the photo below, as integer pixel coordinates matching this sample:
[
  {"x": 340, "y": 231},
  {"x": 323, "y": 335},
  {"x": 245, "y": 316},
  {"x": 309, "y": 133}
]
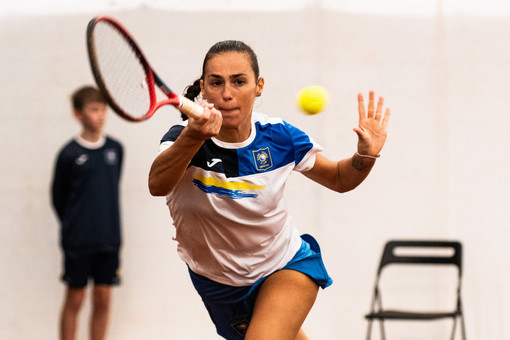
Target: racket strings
[{"x": 123, "y": 74}]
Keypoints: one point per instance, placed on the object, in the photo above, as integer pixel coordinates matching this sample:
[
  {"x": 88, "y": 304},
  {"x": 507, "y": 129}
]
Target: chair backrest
[{"x": 390, "y": 255}]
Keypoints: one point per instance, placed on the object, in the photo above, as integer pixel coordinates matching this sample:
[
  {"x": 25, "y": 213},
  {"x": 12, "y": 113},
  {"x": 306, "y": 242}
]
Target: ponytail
[{"x": 191, "y": 92}]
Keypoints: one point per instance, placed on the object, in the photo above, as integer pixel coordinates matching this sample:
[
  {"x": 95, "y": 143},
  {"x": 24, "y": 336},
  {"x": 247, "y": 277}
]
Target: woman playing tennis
[{"x": 224, "y": 174}]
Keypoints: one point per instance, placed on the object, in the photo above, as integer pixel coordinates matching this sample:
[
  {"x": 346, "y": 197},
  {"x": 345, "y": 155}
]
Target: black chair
[{"x": 423, "y": 253}]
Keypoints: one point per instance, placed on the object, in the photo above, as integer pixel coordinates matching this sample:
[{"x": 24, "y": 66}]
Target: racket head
[{"x": 121, "y": 70}]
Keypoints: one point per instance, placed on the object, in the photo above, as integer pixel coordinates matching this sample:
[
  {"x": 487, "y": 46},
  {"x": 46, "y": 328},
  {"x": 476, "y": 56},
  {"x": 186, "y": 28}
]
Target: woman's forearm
[{"x": 169, "y": 167}]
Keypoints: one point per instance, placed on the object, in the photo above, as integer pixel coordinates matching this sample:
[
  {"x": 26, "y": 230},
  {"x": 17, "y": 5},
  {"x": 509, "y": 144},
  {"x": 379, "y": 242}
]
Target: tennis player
[
  {"x": 223, "y": 175},
  {"x": 85, "y": 194}
]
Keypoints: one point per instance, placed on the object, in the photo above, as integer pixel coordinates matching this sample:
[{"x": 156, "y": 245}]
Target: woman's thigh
[{"x": 283, "y": 302}]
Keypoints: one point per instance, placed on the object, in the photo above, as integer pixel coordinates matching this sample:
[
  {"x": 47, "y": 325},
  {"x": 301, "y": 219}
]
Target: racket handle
[{"x": 190, "y": 108}]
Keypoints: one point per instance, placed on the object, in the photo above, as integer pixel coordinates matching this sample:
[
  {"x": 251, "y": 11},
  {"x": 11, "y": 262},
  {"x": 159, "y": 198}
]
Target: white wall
[{"x": 442, "y": 173}]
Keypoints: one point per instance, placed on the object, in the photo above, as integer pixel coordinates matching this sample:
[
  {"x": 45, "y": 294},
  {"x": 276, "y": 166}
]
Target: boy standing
[{"x": 85, "y": 196}]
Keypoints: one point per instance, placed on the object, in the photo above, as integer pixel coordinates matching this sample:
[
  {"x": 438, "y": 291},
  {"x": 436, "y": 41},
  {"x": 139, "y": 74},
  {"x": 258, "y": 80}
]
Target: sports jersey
[
  {"x": 232, "y": 224},
  {"x": 85, "y": 194}
]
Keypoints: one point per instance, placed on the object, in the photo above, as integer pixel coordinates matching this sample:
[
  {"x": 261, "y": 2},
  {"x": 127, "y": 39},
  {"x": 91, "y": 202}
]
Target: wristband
[{"x": 368, "y": 156}]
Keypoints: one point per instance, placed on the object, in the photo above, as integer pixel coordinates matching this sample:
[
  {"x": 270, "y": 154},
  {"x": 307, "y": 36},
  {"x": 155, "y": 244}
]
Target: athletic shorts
[
  {"x": 102, "y": 267},
  {"x": 231, "y": 308}
]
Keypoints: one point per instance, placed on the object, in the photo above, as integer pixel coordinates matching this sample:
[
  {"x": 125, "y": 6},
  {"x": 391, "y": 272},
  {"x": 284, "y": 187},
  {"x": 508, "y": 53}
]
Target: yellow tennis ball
[{"x": 312, "y": 99}]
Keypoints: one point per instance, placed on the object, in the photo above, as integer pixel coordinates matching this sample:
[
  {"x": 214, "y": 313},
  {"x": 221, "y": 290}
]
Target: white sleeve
[
  {"x": 309, "y": 160},
  {"x": 163, "y": 146}
]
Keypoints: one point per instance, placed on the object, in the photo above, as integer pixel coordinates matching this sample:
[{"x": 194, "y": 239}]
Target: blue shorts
[{"x": 231, "y": 308}]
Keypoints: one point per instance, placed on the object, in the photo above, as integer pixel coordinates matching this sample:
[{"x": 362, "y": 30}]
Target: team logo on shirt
[
  {"x": 213, "y": 162},
  {"x": 110, "y": 157},
  {"x": 262, "y": 158},
  {"x": 82, "y": 159}
]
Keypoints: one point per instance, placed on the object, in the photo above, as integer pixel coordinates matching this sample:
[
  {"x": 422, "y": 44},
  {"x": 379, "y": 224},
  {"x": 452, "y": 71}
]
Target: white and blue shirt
[{"x": 232, "y": 223}]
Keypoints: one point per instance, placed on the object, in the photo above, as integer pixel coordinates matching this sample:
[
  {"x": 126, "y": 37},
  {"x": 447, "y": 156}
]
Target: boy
[{"x": 85, "y": 196}]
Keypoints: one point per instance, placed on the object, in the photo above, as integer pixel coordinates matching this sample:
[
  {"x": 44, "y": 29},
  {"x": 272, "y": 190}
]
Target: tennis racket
[{"x": 125, "y": 77}]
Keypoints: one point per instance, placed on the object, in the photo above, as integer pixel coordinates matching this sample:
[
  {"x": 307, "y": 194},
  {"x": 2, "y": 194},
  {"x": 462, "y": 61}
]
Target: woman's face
[{"x": 229, "y": 83}]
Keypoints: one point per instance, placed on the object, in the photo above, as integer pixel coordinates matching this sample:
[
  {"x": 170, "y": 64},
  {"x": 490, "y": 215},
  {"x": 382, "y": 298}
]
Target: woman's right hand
[
  {"x": 169, "y": 167},
  {"x": 206, "y": 126}
]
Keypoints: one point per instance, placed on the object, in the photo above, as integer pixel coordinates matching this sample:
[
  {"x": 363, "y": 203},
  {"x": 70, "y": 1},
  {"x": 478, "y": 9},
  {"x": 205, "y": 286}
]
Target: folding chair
[{"x": 423, "y": 252}]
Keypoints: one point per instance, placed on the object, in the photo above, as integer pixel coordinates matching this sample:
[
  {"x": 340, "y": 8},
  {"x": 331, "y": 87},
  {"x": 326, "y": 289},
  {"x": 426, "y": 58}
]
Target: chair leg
[
  {"x": 462, "y": 327},
  {"x": 454, "y": 328},
  {"x": 375, "y": 300},
  {"x": 369, "y": 329},
  {"x": 383, "y": 332},
  {"x": 381, "y": 321}
]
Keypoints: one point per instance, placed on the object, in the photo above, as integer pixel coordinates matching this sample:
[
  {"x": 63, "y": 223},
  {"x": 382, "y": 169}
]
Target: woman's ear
[{"x": 260, "y": 86}]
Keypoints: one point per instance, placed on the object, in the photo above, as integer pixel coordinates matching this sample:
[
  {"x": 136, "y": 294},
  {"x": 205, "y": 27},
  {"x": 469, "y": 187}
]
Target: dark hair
[
  {"x": 192, "y": 91},
  {"x": 85, "y": 95}
]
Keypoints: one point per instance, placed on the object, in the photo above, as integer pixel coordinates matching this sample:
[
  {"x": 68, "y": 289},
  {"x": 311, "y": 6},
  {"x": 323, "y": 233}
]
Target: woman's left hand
[{"x": 373, "y": 126}]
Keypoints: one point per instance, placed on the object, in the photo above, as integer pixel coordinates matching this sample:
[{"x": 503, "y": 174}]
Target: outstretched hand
[{"x": 373, "y": 126}]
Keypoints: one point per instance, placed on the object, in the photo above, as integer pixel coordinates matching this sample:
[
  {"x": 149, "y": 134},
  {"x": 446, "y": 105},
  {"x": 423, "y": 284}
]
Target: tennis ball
[{"x": 312, "y": 99}]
